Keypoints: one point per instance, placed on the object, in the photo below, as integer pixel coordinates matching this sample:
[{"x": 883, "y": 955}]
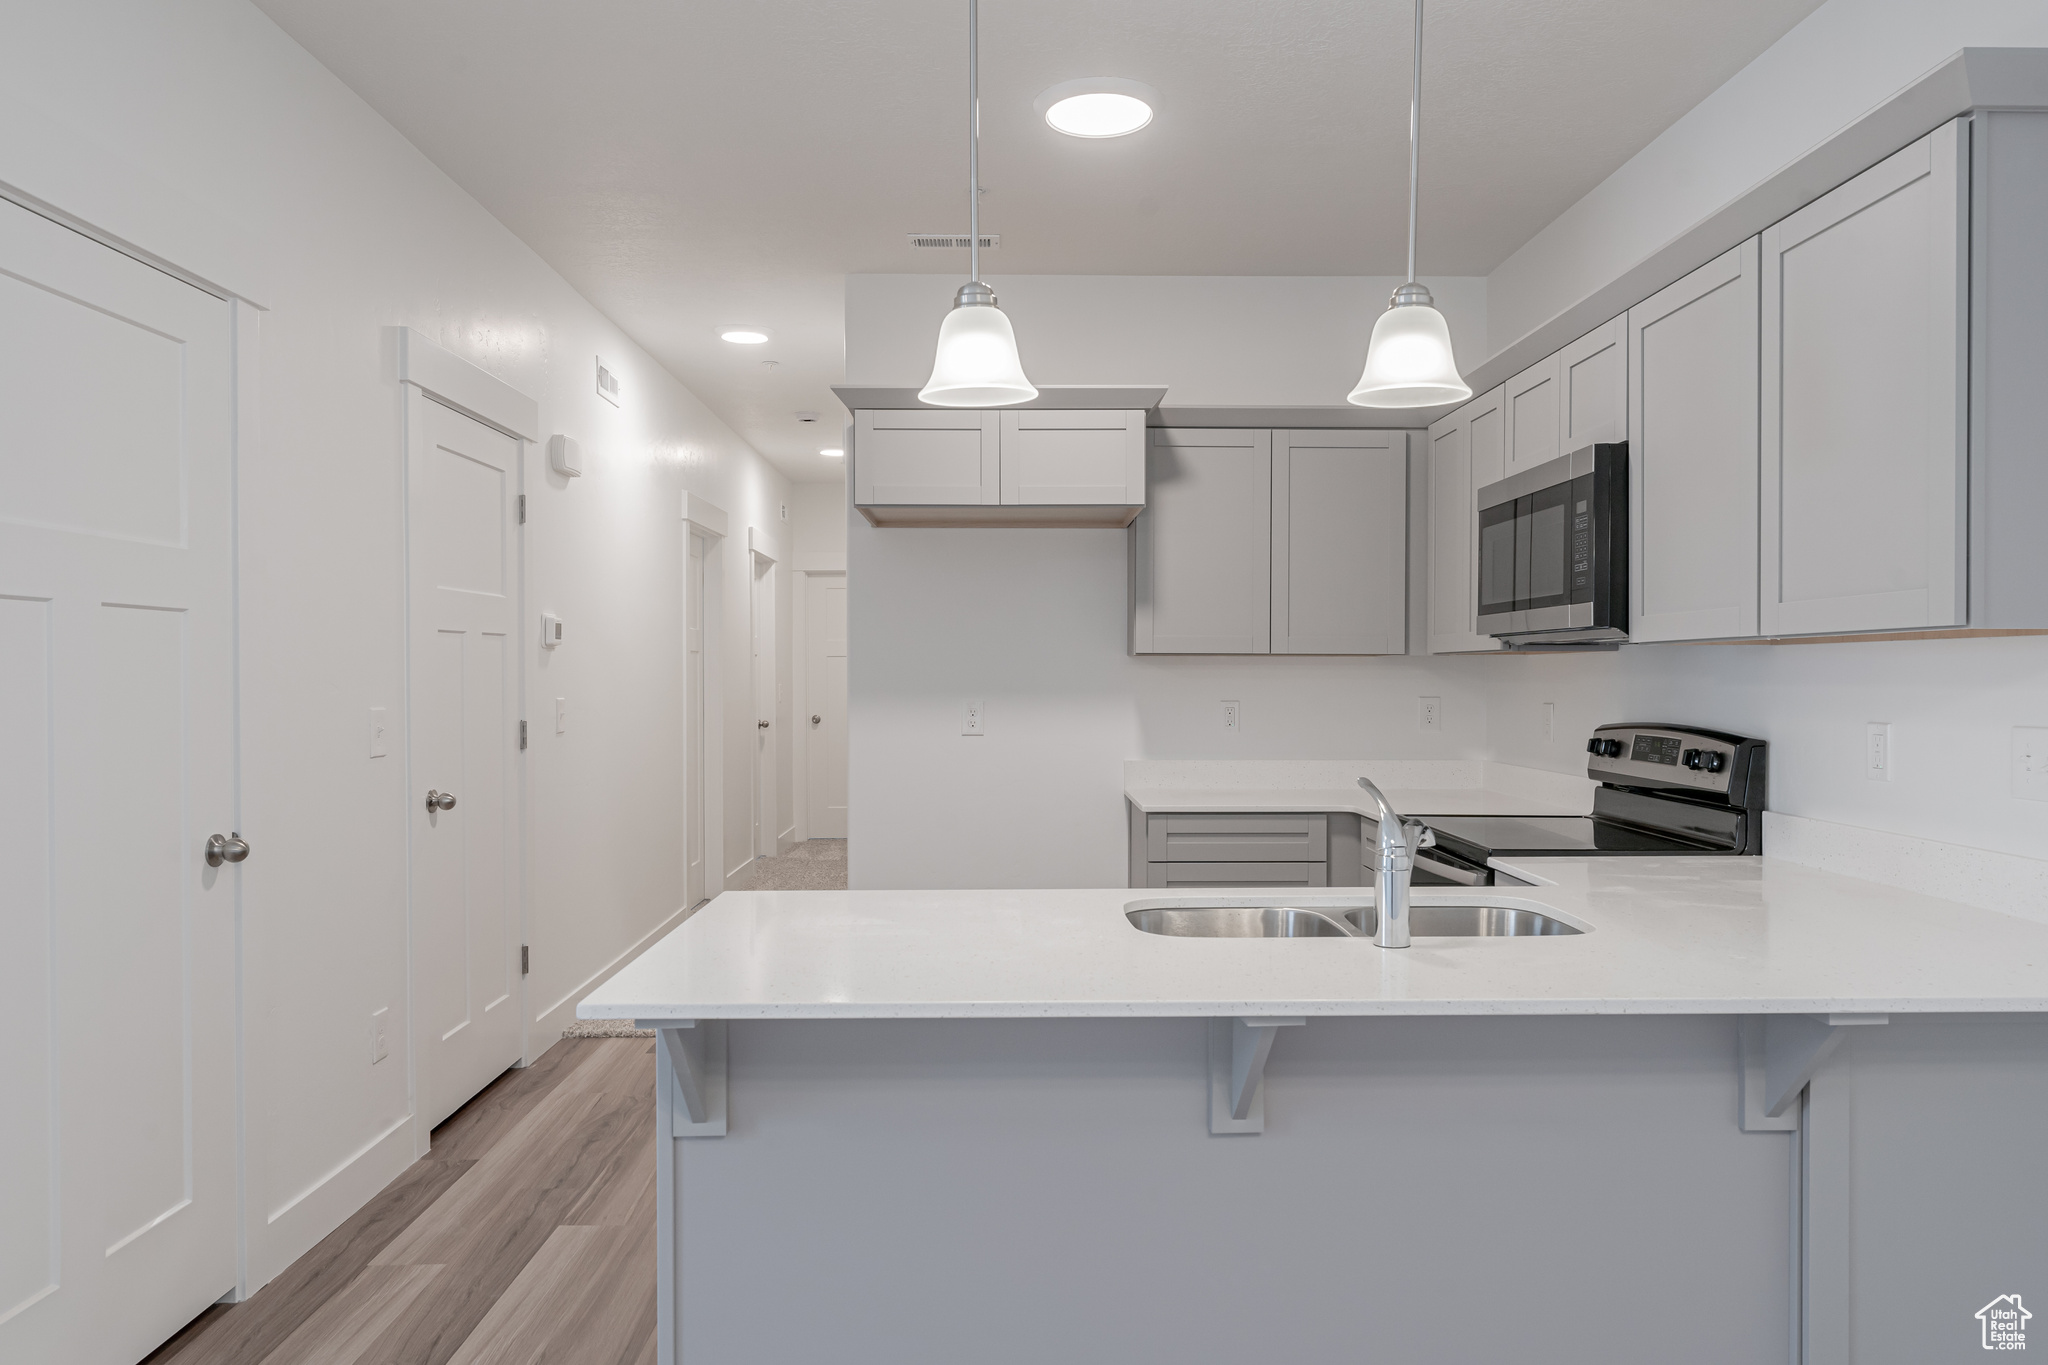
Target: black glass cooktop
[{"x": 1480, "y": 837}]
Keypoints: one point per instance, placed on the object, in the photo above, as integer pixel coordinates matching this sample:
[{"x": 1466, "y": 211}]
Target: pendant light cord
[
  {"x": 974, "y": 142},
  {"x": 1414, "y": 136}
]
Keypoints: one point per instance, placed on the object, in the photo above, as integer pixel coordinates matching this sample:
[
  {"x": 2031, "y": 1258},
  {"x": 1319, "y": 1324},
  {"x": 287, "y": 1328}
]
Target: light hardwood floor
[{"x": 525, "y": 1236}]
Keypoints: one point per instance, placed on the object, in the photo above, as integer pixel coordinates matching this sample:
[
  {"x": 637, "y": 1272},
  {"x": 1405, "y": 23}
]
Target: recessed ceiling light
[
  {"x": 835, "y": 454},
  {"x": 743, "y": 336},
  {"x": 1098, "y": 106}
]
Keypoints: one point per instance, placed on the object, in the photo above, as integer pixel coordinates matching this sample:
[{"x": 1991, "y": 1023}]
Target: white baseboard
[
  {"x": 295, "y": 1226},
  {"x": 2005, "y": 882},
  {"x": 547, "y": 1026}
]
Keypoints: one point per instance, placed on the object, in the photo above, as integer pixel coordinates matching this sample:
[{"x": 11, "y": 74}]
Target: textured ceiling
[{"x": 688, "y": 165}]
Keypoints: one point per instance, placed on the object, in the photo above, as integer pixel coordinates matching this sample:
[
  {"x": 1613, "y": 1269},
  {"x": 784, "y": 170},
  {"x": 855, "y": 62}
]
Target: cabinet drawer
[
  {"x": 1237, "y": 838},
  {"x": 1236, "y": 874}
]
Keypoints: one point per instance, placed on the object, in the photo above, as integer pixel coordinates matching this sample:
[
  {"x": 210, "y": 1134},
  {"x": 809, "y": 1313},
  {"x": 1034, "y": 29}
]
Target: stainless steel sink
[
  {"x": 1237, "y": 921},
  {"x": 1468, "y": 921},
  {"x": 1339, "y": 921}
]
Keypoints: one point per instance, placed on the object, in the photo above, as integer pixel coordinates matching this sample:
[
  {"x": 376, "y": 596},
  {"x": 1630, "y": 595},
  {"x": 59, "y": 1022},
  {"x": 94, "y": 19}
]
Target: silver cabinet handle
[
  {"x": 226, "y": 848},
  {"x": 760, "y": 724},
  {"x": 816, "y": 719},
  {"x": 440, "y": 800}
]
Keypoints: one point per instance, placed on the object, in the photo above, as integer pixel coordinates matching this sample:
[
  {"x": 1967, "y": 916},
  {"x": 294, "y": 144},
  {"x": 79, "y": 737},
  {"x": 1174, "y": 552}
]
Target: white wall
[
  {"x": 1838, "y": 63},
  {"x": 1952, "y": 705},
  {"x": 817, "y": 514},
  {"x": 359, "y": 232},
  {"x": 1033, "y": 624},
  {"x": 1296, "y": 340}
]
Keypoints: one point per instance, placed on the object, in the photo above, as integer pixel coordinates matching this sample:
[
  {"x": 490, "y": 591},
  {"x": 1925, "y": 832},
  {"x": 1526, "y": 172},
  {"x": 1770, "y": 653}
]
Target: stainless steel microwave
[{"x": 1553, "y": 551}]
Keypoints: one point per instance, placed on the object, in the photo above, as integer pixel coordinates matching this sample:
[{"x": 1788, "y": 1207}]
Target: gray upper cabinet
[
  {"x": 926, "y": 458},
  {"x": 1052, "y": 457},
  {"x": 1693, "y": 414},
  {"x": 1592, "y": 387},
  {"x": 1467, "y": 451},
  {"x": 1340, "y": 542},
  {"x": 1570, "y": 399},
  {"x": 1864, "y": 468},
  {"x": 1029, "y": 467},
  {"x": 1530, "y": 405},
  {"x": 1201, "y": 551}
]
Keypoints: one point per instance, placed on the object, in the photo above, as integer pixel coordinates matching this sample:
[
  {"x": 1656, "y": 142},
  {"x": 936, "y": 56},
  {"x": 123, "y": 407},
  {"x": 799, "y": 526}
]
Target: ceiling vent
[{"x": 944, "y": 241}]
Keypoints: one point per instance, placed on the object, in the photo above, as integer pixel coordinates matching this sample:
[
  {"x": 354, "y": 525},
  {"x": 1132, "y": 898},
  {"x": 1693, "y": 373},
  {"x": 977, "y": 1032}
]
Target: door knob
[
  {"x": 440, "y": 800},
  {"x": 226, "y": 848},
  {"x": 816, "y": 719},
  {"x": 760, "y": 724}
]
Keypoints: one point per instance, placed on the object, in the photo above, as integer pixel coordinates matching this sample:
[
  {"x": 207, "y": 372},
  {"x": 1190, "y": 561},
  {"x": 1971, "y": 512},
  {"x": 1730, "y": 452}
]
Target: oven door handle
[{"x": 1454, "y": 872}]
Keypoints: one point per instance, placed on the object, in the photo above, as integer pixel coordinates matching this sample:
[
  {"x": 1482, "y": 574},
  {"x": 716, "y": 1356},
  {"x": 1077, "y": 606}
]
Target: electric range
[{"x": 1664, "y": 789}]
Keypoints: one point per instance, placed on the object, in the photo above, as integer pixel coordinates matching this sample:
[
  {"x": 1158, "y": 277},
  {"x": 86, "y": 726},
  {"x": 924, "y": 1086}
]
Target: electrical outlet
[
  {"x": 561, "y": 715},
  {"x": 380, "y": 732},
  {"x": 1233, "y": 717},
  {"x": 974, "y": 721},
  {"x": 2030, "y": 763},
  {"x": 1432, "y": 713},
  {"x": 1877, "y": 751},
  {"x": 1549, "y": 721},
  {"x": 380, "y": 1035}
]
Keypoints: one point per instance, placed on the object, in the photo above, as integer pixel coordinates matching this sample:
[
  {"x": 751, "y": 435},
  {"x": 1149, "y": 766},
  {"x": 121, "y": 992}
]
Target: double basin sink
[{"x": 1343, "y": 920}]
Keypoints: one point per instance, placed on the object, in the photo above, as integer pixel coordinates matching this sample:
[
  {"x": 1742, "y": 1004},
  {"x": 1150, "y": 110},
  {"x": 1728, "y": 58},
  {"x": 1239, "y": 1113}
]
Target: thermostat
[
  {"x": 550, "y": 630},
  {"x": 565, "y": 455}
]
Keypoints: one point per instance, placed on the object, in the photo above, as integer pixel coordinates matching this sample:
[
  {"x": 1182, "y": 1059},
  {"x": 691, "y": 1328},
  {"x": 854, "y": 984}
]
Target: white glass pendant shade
[
  {"x": 1409, "y": 363},
  {"x": 977, "y": 365}
]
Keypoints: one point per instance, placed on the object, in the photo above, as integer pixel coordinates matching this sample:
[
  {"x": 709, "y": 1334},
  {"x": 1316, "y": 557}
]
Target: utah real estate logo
[{"x": 2005, "y": 1323}]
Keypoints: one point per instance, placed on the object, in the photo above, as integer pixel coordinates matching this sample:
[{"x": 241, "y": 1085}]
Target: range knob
[
  {"x": 1603, "y": 748},
  {"x": 1705, "y": 760},
  {"x": 1716, "y": 760}
]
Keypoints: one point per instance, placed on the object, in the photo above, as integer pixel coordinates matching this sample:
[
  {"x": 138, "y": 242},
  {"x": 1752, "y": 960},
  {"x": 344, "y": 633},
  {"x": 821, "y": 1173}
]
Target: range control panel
[{"x": 1641, "y": 755}]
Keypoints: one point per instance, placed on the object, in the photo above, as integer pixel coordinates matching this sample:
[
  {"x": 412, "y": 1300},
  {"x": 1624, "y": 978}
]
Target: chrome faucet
[{"x": 1399, "y": 839}]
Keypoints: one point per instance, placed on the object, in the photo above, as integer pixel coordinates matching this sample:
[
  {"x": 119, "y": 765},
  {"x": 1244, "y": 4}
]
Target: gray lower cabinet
[{"x": 1254, "y": 849}]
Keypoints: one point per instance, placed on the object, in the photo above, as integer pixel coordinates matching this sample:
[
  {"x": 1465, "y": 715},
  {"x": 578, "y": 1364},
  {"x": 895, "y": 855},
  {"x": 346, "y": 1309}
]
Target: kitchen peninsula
[{"x": 1747, "y": 1103}]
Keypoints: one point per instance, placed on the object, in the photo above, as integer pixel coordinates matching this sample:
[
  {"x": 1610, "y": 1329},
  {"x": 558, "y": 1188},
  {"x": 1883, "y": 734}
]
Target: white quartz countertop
[
  {"x": 1415, "y": 786},
  {"x": 1700, "y": 935},
  {"x": 1407, "y": 800}
]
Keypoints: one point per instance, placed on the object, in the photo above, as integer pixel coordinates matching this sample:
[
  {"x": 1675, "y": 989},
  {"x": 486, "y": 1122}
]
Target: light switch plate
[
  {"x": 1877, "y": 751},
  {"x": 2030, "y": 762},
  {"x": 561, "y": 715},
  {"x": 380, "y": 732},
  {"x": 974, "y": 719},
  {"x": 380, "y": 1035}
]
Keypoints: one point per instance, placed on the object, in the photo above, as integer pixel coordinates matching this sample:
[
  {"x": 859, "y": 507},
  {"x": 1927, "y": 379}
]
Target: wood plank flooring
[{"x": 525, "y": 1236}]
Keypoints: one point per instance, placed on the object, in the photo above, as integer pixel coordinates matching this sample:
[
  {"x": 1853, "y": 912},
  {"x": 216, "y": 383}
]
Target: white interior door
[
  {"x": 763, "y": 647},
  {"x": 464, "y": 732},
  {"x": 693, "y": 705},
  {"x": 825, "y": 682},
  {"x": 117, "y": 974}
]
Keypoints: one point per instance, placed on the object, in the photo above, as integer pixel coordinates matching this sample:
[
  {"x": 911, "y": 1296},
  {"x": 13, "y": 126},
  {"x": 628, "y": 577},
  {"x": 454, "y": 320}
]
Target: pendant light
[
  {"x": 1408, "y": 363},
  {"x": 976, "y": 365}
]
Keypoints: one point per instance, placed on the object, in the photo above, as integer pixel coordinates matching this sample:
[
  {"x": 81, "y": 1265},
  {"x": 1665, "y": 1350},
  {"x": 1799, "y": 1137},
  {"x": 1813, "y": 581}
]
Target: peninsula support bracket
[
  {"x": 1238, "y": 1049},
  {"x": 695, "y": 1052},
  {"x": 1779, "y": 1054}
]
